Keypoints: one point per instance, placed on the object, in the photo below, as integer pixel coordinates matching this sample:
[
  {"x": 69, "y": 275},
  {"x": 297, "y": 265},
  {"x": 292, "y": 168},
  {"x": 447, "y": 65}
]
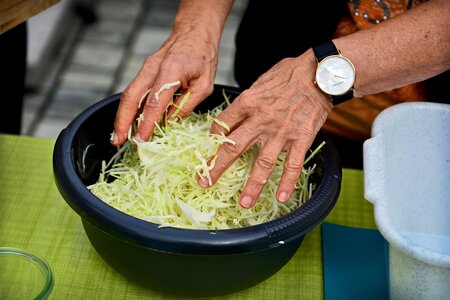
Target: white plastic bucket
[{"x": 407, "y": 178}]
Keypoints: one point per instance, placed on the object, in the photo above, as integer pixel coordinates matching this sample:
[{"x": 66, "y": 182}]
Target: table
[
  {"x": 35, "y": 217},
  {"x": 14, "y": 12}
]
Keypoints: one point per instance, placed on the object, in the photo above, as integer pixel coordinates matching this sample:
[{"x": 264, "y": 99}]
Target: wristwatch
[{"x": 335, "y": 74}]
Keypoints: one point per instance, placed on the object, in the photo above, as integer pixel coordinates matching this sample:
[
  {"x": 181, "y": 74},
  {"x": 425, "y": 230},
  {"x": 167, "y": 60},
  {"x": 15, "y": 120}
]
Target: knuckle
[
  {"x": 293, "y": 165},
  {"x": 255, "y": 186},
  {"x": 169, "y": 66},
  {"x": 244, "y": 104},
  {"x": 209, "y": 88},
  {"x": 126, "y": 95},
  {"x": 242, "y": 100},
  {"x": 304, "y": 134},
  {"x": 262, "y": 114},
  {"x": 285, "y": 60},
  {"x": 266, "y": 163},
  {"x": 152, "y": 104},
  {"x": 149, "y": 60},
  {"x": 231, "y": 148},
  {"x": 205, "y": 89},
  {"x": 128, "y": 103}
]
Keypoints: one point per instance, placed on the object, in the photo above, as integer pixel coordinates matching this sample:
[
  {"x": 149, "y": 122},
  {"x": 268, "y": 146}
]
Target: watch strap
[
  {"x": 325, "y": 50},
  {"x": 342, "y": 98}
]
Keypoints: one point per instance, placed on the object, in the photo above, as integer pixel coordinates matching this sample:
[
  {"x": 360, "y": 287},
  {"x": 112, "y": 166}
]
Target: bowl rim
[
  {"x": 190, "y": 241},
  {"x": 43, "y": 266}
]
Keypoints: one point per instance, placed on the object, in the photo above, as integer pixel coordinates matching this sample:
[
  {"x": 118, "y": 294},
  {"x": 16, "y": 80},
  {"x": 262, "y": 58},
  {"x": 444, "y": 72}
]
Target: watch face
[{"x": 335, "y": 75}]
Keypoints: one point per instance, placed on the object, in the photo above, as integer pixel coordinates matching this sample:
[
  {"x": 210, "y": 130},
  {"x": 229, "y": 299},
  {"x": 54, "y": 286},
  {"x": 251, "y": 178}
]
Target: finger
[
  {"x": 232, "y": 116},
  {"x": 173, "y": 110},
  {"x": 155, "y": 105},
  {"x": 261, "y": 171},
  {"x": 293, "y": 166},
  {"x": 243, "y": 138},
  {"x": 128, "y": 106},
  {"x": 198, "y": 91}
]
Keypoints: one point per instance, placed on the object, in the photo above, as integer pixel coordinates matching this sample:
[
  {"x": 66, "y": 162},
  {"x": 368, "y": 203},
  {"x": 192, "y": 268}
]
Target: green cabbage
[{"x": 156, "y": 180}]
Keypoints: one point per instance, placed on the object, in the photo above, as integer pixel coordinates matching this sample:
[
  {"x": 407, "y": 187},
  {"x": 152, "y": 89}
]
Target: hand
[
  {"x": 189, "y": 57},
  {"x": 282, "y": 111}
]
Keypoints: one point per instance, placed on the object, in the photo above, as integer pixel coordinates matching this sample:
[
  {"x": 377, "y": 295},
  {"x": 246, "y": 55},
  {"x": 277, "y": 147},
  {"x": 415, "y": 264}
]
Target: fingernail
[
  {"x": 246, "y": 201},
  {"x": 203, "y": 182},
  {"x": 138, "y": 138},
  {"x": 283, "y": 197},
  {"x": 114, "y": 138}
]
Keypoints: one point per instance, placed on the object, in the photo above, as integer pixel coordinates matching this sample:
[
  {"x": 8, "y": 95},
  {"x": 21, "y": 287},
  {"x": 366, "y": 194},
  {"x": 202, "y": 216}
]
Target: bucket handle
[{"x": 373, "y": 152}]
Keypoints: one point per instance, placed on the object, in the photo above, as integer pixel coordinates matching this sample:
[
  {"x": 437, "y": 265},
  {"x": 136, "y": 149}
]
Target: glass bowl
[{"x": 23, "y": 275}]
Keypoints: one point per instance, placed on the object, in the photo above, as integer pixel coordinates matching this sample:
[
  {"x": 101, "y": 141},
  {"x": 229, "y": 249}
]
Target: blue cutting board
[{"x": 355, "y": 263}]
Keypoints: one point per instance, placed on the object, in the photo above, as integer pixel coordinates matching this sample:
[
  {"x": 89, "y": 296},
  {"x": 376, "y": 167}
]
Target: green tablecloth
[{"x": 35, "y": 217}]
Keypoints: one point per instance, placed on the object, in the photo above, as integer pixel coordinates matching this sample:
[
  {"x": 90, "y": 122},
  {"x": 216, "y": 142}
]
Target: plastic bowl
[
  {"x": 23, "y": 275},
  {"x": 172, "y": 260}
]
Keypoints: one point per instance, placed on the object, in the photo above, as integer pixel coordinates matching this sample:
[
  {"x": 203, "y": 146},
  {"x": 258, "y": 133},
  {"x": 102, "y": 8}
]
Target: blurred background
[{"x": 81, "y": 51}]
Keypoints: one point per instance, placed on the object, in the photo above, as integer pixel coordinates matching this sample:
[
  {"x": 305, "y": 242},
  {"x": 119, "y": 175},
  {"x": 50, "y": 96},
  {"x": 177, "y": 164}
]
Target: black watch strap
[
  {"x": 342, "y": 98},
  {"x": 325, "y": 50}
]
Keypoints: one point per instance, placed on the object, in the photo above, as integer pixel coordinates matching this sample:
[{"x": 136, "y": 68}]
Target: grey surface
[{"x": 92, "y": 61}]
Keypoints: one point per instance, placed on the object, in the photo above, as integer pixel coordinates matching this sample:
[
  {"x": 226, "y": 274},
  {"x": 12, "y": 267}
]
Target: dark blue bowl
[{"x": 181, "y": 261}]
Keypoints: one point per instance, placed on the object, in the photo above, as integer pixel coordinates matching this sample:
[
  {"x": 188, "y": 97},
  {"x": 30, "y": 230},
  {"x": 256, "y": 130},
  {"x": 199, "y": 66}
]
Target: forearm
[
  {"x": 409, "y": 48},
  {"x": 204, "y": 16}
]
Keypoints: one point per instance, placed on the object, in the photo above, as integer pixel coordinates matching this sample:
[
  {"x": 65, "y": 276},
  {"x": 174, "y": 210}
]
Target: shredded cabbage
[{"x": 156, "y": 180}]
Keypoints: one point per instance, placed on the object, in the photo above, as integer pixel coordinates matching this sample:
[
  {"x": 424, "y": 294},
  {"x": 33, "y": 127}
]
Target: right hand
[
  {"x": 188, "y": 56},
  {"x": 282, "y": 111}
]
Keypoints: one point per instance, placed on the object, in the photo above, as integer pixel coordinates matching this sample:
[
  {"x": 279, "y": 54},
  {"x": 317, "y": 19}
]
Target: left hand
[{"x": 282, "y": 111}]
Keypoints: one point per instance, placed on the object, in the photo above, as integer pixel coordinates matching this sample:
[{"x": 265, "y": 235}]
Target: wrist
[
  {"x": 352, "y": 54},
  {"x": 203, "y": 18},
  {"x": 309, "y": 63},
  {"x": 200, "y": 32}
]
